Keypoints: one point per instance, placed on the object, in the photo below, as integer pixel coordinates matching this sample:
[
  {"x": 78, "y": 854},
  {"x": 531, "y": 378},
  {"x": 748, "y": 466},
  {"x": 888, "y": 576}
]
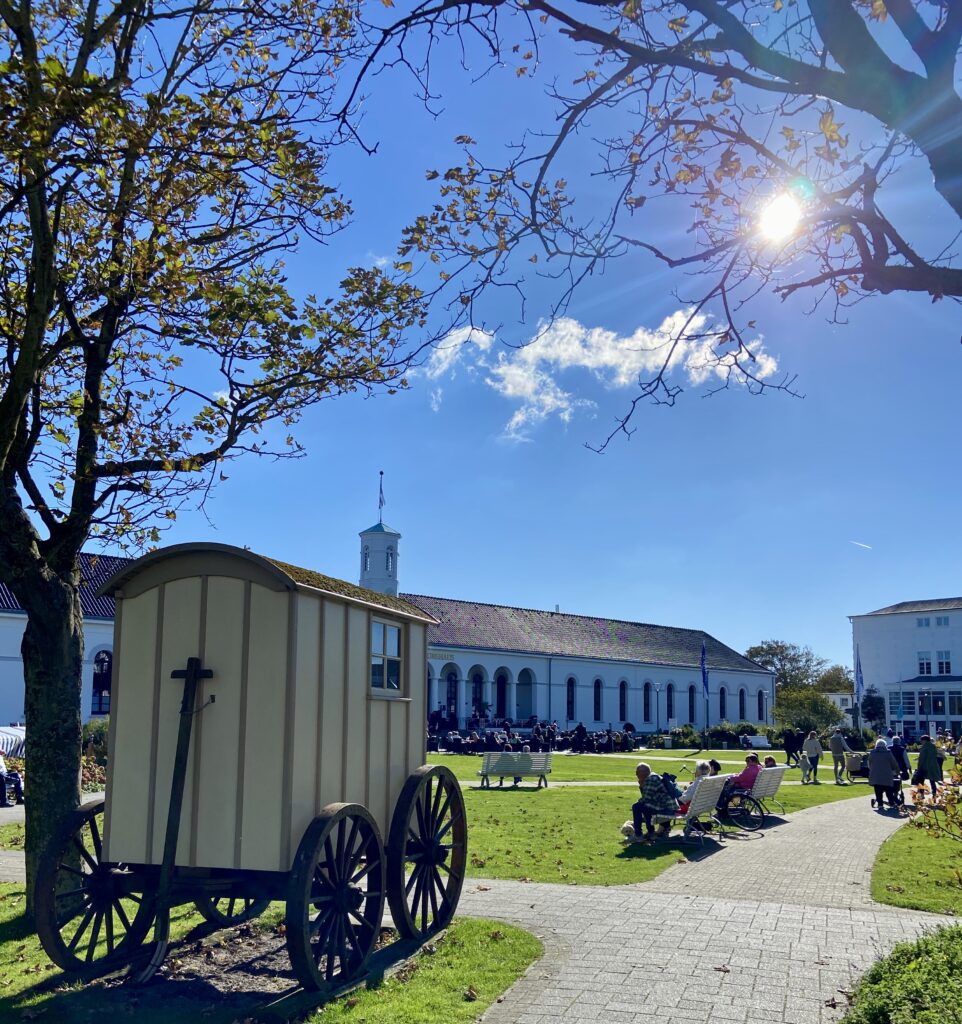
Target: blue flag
[
  {"x": 704, "y": 669},
  {"x": 859, "y": 681}
]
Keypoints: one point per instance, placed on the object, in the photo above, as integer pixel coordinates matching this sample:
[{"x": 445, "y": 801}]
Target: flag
[
  {"x": 859, "y": 681},
  {"x": 380, "y": 497},
  {"x": 704, "y": 669}
]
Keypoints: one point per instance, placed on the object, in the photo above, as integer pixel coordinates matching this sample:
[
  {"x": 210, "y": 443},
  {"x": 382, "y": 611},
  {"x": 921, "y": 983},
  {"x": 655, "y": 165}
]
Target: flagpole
[{"x": 380, "y": 501}]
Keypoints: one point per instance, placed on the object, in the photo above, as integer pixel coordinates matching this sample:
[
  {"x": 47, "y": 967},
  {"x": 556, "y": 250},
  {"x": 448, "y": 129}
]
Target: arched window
[
  {"x": 389, "y": 560},
  {"x": 741, "y": 705},
  {"x": 623, "y": 701},
  {"x": 597, "y": 700},
  {"x": 501, "y": 697},
  {"x": 670, "y": 701},
  {"x": 103, "y": 674},
  {"x": 691, "y": 704},
  {"x": 570, "y": 702},
  {"x": 646, "y": 703},
  {"x": 452, "y": 695},
  {"x": 722, "y": 704},
  {"x": 761, "y": 705},
  {"x": 477, "y": 692},
  {"x": 367, "y": 558}
]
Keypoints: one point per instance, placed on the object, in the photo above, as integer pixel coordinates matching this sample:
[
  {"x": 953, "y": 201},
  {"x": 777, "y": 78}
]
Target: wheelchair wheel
[{"x": 746, "y": 812}]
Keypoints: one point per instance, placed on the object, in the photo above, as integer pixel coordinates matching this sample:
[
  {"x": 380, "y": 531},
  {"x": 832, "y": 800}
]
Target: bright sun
[{"x": 780, "y": 218}]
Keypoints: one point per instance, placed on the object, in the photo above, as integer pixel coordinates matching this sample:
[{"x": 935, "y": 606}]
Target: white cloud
[
  {"x": 435, "y": 399},
  {"x": 859, "y": 544},
  {"x": 446, "y": 354},
  {"x": 529, "y": 376},
  {"x": 379, "y": 261}
]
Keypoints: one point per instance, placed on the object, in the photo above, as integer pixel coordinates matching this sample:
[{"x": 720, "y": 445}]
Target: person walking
[
  {"x": 902, "y": 756},
  {"x": 883, "y": 770},
  {"x": 839, "y": 747},
  {"x": 813, "y": 749},
  {"x": 929, "y": 767},
  {"x": 791, "y": 749}
]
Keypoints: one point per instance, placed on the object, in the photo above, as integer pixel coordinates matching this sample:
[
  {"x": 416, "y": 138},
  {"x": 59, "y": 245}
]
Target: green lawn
[
  {"x": 571, "y": 835},
  {"x": 454, "y": 979},
  {"x": 11, "y": 836},
  {"x": 917, "y": 870}
]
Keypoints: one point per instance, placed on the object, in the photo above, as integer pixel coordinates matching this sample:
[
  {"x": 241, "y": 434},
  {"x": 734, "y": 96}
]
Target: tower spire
[{"x": 380, "y": 500}]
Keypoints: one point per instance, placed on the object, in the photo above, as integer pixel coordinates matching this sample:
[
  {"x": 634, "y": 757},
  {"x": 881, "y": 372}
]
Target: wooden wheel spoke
[
  {"x": 363, "y": 872},
  {"x": 333, "y": 944},
  {"x": 81, "y": 928},
  {"x": 418, "y": 868},
  {"x": 314, "y": 927},
  {"x": 432, "y": 891},
  {"x": 423, "y": 830},
  {"x": 71, "y": 892},
  {"x": 94, "y": 936},
  {"x": 455, "y": 818},
  {"x": 85, "y": 853},
  {"x": 340, "y": 858},
  {"x": 110, "y": 929},
  {"x": 95, "y": 836},
  {"x": 72, "y": 871},
  {"x": 124, "y": 920},
  {"x": 444, "y": 810},
  {"x": 360, "y": 853},
  {"x": 351, "y": 840}
]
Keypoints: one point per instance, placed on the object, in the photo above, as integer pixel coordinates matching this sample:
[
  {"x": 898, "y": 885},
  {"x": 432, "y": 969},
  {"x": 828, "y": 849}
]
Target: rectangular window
[
  {"x": 922, "y": 622},
  {"x": 941, "y": 620},
  {"x": 385, "y": 656},
  {"x": 842, "y": 703},
  {"x": 944, "y": 662},
  {"x": 908, "y": 703},
  {"x": 955, "y": 702},
  {"x": 925, "y": 663}
]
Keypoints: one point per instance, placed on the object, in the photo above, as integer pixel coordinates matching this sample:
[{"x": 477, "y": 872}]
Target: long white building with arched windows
[
  {"x": 519, "y": 662},
  {"x": 509, "y": 662}
]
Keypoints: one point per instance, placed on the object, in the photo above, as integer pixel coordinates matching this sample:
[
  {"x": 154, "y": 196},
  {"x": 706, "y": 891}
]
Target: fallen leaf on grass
[
  {"x": 833, "y": 1002},
  {"x": 470, "y": 994},
  {"x": 350, "y": 1003}
]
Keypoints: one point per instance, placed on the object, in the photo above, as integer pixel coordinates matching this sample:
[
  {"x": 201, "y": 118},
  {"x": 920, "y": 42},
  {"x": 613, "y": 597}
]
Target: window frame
[
  {"x": 384, "y": 690},
  {"x": 925, "y": 663},
  {"x": 598, "y": 695},
  {"x": 943, "y": 661}
]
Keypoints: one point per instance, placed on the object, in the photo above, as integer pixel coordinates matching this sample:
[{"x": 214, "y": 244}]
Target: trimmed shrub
[
  {"x": 685, "y": 736},
  {"x": 917, "y": 983}
]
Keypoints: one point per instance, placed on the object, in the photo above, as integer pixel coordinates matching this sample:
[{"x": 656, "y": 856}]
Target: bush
[
  {"x": 686, "y": 736},
  {"x": 93, "y": 776},
  {"x": 95, "y": 738},
  {"x": 746, "y": 728},
  {"x": 723, "y": 732},
  {"x": 918, "y": 981}
]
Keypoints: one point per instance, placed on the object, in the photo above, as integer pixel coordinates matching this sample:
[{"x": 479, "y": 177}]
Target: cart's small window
[{"x": 385, "y": 656}]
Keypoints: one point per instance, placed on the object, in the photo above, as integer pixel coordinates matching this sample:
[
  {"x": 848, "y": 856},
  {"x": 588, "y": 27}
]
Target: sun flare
[{"x": 780, "y": 218}]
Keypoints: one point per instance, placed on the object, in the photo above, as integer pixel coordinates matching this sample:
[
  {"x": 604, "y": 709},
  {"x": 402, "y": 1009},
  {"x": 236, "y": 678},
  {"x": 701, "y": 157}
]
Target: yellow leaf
[
  {"x": 678, "y": 24},
  {"x": 405, "y": 267}
]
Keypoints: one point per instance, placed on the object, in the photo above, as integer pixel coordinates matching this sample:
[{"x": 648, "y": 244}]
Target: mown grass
[
  {"x": 571, "y": 835},
  {"x": 11, "y": 836},
  {"x": 455, "y": 979},
  {"x": 917, "y": 870}
]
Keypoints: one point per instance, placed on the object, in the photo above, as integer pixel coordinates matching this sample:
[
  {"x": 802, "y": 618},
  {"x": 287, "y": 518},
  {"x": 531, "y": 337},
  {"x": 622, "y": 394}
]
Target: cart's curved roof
[{"x": 182, "y": 560}]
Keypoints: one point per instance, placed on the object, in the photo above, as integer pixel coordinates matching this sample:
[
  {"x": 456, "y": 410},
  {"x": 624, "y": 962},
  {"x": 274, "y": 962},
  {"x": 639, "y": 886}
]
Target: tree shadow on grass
[
  {"x": 693, "y": 850},
  {"x": 229, "y": 979}
]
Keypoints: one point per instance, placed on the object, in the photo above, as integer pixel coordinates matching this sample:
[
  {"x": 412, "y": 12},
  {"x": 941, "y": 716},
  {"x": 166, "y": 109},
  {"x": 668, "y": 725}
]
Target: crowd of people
[{"x": 540, "y": 736}]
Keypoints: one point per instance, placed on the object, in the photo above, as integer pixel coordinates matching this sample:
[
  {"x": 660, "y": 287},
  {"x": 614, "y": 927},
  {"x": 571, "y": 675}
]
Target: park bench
[
  {"x": 516, "y": 765},
  {"x": 766, "y": 786},
  {"x": 758, "y": 742},
  {"x": 702, "y": 807}
]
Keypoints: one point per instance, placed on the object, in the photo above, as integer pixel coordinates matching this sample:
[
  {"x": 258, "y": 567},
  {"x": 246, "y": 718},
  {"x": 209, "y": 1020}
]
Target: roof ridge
[{"x": 571, "y": 615}]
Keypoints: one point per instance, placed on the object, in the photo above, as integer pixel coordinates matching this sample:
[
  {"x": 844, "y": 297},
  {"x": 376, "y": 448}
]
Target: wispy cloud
[
  {"x": 435, "y": 399},
  {"x": 379, "y": 261},
  {"x": 530, "y": 376},
  {"x": 859, "y": 544}
]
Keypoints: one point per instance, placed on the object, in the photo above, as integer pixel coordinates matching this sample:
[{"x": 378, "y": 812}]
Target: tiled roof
[
  {"x": 95, "y": 570},
  {"x": 940, "y": 604},
  {"x": 526, "y": 631}
]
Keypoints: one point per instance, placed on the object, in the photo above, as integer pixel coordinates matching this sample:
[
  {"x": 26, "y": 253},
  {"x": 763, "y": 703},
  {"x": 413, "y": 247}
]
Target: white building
[
  {"x": 912, "y": 654},
  {"x": 519, "y": 662},
  {"x": 843, "y": 701},
  {"x": 511, "y": 662}
]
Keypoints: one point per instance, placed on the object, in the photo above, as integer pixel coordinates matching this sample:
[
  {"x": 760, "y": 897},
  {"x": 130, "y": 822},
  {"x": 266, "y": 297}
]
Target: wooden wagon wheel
[
  {"x": 427, "y": 852},
  {"x": 335, "y": 896},
  {"x": 225, "y": 911},
  {"x": 88, "y": 920}
]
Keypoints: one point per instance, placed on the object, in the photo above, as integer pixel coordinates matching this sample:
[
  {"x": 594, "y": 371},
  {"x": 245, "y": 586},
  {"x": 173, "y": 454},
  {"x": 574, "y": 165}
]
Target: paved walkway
[{"x": 771, "y": 929}]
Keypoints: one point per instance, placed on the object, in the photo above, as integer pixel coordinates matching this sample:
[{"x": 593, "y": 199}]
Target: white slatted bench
[
  {"x": 766, "y": 786},
  {"x": 702, "y": 806},
  {"x": 515, "y": 765}
]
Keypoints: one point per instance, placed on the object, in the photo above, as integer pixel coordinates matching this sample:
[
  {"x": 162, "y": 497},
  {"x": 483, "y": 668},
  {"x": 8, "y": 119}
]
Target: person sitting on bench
[{"x": 12, "y": 779}]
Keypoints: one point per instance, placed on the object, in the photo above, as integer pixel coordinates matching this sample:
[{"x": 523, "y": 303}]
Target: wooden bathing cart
[{"x": 267, "y": 731}]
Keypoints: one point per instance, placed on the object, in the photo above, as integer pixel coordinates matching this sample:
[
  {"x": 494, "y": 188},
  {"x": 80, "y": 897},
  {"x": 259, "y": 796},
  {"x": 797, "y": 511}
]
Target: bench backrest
[
  {"x": 508, "y": 762},
  {"x": 759, "y": 742},
  {"x": 706, "y": 795},
  {"x": 768, "y": 781}
]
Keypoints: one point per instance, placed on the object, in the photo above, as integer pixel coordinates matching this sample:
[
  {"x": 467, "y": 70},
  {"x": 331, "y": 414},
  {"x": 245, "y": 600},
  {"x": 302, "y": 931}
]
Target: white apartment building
[{"x": 912, "y": 654}]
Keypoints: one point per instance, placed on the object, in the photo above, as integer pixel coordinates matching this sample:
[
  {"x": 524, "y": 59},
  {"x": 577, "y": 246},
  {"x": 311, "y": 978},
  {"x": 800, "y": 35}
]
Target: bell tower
[{"x": 379, "y": 553}]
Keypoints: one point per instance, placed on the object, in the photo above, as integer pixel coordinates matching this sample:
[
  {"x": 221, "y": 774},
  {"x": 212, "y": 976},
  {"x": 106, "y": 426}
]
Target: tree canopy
[
  {"x": 836, "y": 679},
  {"x": 783, "y": 134},
  {"x": 794, "y": 666},
  {"x": 807, "y": 709},
  {"x": 872, "y": 708},
  {"x": 157, "y": 160}
]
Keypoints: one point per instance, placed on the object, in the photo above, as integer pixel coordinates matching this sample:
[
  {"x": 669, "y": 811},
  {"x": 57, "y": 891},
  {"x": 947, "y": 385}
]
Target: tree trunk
[{"x": 52, "y": 650}]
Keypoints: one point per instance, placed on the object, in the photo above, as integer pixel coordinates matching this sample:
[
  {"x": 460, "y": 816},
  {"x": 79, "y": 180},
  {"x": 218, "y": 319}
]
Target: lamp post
[{"x": 657, "y": 707}]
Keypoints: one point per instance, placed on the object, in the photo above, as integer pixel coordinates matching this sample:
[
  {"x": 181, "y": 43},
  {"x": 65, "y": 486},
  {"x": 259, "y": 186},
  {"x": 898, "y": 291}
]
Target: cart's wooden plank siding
[
  {"x": 356, "y": 682},
  {"x": 261, "y": 839},
  {"x": 305, "y": 750},
  {"x": 219, "y": 740},
  {"x": 128, "y": 780},
  {"x": 332, "y": 683},
  {"x": 181, "y": 640},
  {"x": 379, "y": 724}
]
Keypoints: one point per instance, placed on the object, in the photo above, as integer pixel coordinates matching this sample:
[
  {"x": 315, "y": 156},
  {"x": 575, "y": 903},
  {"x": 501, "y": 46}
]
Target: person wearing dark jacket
[
  {"x": 902, "y": 756},
  {"x": 929, "y": 767},
  {"x": 791, "y": 749},
  {"x": 883, "y": 770}
]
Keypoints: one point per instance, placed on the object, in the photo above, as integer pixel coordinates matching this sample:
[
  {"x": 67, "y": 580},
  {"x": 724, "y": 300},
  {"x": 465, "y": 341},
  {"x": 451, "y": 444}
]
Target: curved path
[{"x": 770, "y": 929}]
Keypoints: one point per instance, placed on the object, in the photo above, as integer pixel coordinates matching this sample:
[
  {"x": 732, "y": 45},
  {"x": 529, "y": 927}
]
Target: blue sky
[{"x": 749, "y": 517}]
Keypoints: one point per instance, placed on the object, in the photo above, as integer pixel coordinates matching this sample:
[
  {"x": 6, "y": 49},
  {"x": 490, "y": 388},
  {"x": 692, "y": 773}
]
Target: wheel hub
[{"x": 348, "y": 897}]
